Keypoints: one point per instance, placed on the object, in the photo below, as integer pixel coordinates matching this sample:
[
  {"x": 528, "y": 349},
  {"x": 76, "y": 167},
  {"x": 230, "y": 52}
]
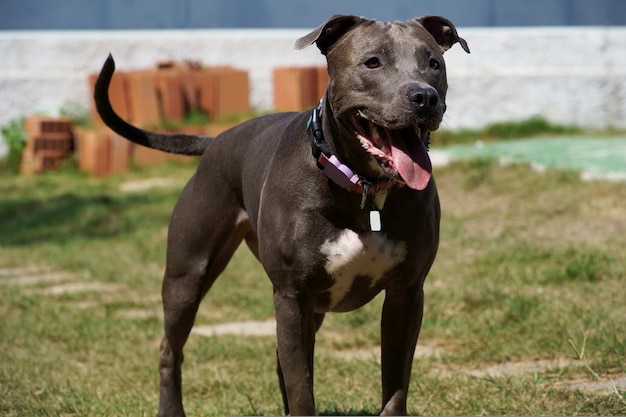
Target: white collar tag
[{"x": 375, "y": 222}]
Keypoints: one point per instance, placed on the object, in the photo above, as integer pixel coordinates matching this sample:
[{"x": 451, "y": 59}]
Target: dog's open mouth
[{"x": 400, "y": 152}]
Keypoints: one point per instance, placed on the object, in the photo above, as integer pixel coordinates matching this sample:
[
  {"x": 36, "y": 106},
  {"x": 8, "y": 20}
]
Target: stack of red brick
[
  {"x": 48, "y": 142},
  {"x": 147, "y": 98},
  {"x": 299, "y": 88}
]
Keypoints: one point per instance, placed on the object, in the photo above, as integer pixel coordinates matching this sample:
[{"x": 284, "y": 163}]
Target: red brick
[
  {"x": 37, "y": 126},
  {"x": 188, "y": 88},
  {"x": 142, "y": 98},
  {"x": 203, "y": 89},
  {"x": 170, "y": 94},
  {"x": 50, "y": 160},
  {"x": 222, "y": 91},
  {"x": 94, "y": 150},
  {"x": 84, "y": 144},
  {"x": 120, "y": 153},
  {"x": 295, "y": 88},
  {"x": 231, "y": 93},
  {"x": 287, "y": 91},
  {"x": 102, "y": 152},
  {"x": 29, "y": 164},
  {"x": 204, "y": 82},
  {"x": 48, "y": 142}
]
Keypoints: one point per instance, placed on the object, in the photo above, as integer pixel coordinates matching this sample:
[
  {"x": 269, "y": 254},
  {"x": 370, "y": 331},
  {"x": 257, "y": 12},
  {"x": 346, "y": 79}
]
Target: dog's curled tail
[{"x": 178, "y": 143}]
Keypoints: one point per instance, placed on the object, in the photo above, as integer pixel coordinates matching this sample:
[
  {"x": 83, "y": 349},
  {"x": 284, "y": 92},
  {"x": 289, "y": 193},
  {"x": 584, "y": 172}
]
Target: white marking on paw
[{"x": 352, "y": 255}]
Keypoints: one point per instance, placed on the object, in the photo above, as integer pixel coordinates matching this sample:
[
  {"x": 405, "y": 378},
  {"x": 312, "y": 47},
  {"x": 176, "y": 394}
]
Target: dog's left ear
[
  {"x": 443, "y": 31},
  {"x": 329, "y": 32}
]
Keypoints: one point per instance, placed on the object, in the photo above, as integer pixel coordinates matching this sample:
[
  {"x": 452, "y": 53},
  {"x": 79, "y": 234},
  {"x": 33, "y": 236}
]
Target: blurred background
[{"x": 562, "y": 60}]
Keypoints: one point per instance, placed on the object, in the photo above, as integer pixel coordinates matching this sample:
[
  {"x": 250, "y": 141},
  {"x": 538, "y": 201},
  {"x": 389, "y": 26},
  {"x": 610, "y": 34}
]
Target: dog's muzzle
[{"x": 400, "y": 152}]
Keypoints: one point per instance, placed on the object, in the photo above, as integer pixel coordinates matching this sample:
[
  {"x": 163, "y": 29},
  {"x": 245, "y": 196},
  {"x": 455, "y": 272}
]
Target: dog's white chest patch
[{"x": 351, "y": 256}]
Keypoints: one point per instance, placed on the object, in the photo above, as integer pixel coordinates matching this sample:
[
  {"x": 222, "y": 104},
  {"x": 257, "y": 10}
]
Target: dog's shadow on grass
[
  {"x": 70, "y": 215},
  {"x": 345, "y": 413}
]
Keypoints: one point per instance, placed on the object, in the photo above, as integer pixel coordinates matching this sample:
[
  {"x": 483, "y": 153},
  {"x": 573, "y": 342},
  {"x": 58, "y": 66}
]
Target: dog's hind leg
[{"x": 202, "y": 237}]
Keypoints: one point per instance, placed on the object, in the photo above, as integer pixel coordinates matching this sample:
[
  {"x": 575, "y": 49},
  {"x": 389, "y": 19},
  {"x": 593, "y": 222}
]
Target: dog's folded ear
[
  {"x": 329, "y": 32},
  {"x": 443, "y": 31}
]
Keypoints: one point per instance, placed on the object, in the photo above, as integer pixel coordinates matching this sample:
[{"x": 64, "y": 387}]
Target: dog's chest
[{"x": 356, "y": 263}]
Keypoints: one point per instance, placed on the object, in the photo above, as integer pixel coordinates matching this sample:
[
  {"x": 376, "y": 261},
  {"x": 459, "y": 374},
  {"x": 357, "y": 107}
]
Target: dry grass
[{"x": 530, "y": 271}]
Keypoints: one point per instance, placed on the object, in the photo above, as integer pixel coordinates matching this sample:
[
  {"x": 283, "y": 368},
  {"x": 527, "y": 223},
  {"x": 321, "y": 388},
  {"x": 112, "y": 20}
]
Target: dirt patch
[
  {"x": 268, "y": 328},
  {"x": 139, "y": 314},
  {"x": 77, "y": 287},
  {"x": 147, "y": 184},
  {"x": 608, "y": 386},
  {"x": 373, "y": 354},
  {"x": 43, "y": 281},
  {"x": 598, "y": 386},
  {"x": 523, "y": 367},
  {"x": 25, "y": 270},
  {"x": 32, "y": 276},
  {"x": 243, "y": 328}
]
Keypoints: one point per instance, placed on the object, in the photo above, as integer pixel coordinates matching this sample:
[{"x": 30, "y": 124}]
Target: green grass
[
  {"x": 530, "y": 268},
  {"x": 533, "y": 126},
  {"x": 13, "y": 134}
]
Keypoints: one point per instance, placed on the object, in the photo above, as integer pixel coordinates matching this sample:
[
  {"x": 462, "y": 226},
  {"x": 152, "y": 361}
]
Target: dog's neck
[{"x": 331, "y": 165}]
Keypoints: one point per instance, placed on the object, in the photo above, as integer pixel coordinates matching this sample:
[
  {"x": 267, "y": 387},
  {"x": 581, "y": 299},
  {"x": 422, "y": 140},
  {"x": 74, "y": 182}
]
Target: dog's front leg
[
  {"x": 400, "y": 327},
  {"x": 295, "y": 331}
]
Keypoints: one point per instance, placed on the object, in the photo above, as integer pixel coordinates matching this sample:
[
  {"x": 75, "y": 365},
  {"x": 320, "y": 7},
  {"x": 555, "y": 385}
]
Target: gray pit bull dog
[{"x": 337, "y": 203}]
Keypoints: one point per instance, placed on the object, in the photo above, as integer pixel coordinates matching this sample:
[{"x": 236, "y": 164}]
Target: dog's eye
[
  {"x": 434, "y": 64},
  {"x": 373, "y": 63}
]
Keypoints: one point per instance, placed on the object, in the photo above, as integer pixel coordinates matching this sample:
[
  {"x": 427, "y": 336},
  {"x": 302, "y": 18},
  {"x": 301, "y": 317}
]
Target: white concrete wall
[{"x": 568, "y": 75}]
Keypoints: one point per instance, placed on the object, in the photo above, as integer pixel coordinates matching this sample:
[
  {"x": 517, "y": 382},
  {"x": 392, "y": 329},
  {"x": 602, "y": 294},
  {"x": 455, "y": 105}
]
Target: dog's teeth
[{"x": 375, "y": 131}]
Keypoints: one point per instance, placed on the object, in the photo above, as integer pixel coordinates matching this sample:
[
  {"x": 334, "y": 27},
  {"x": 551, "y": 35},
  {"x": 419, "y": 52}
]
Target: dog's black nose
[{"x": 423, "y": 96}]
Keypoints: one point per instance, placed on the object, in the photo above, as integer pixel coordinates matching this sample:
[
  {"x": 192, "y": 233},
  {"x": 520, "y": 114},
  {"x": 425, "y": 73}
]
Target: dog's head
[{"x": 387, "y": 89}]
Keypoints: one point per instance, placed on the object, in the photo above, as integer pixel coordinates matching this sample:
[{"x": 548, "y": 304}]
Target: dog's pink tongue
[{"x": 411, "y": 161}]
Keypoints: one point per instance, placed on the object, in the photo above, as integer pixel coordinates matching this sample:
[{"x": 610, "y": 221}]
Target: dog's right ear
[{"x": 329, "y": 32}]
